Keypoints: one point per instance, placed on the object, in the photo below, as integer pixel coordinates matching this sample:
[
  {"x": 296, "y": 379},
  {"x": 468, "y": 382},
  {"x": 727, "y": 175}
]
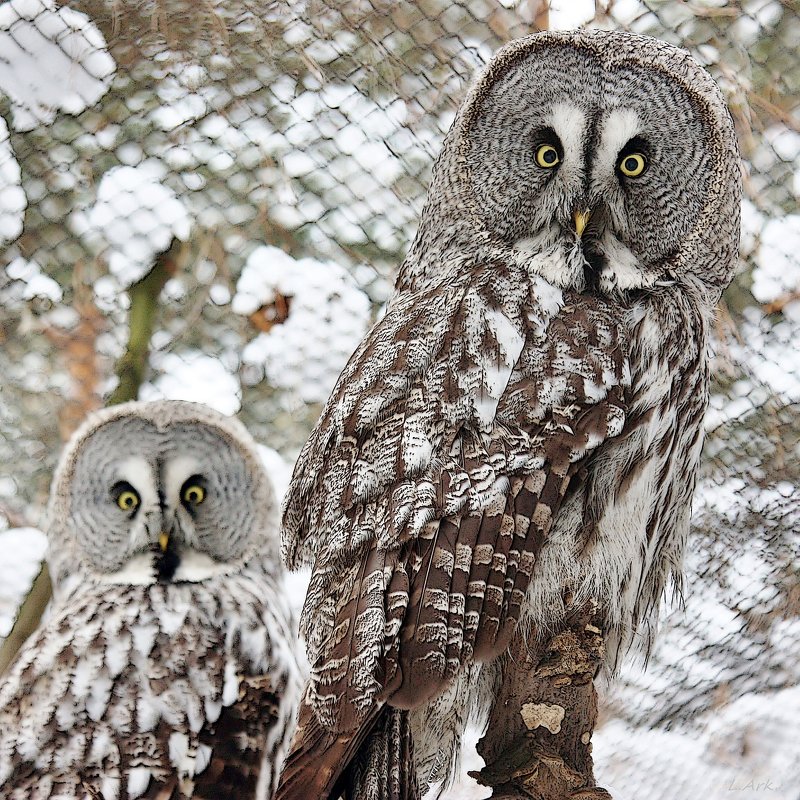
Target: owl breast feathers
[
  {"x": 165, "y": 668},
  {"x": 525, "y": 422}
]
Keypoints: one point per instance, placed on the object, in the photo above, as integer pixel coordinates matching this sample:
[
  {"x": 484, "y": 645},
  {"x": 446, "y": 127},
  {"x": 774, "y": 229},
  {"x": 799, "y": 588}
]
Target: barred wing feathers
[{"x": 431, "y": 481}]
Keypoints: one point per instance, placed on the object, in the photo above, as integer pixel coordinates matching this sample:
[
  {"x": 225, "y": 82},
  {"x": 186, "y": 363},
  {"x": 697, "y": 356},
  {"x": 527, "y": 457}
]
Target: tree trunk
[{"x": 538, "y": 741}]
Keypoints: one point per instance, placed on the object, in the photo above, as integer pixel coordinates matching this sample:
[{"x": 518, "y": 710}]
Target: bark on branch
[
  {"x": 538, "y": 742},
  {"x": 132, "y": 365},
  {"x": 28, "y": 617}
]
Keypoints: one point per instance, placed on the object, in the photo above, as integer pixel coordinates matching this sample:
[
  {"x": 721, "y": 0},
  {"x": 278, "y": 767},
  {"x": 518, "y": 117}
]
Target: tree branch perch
[{"x": 538, "y": 741}]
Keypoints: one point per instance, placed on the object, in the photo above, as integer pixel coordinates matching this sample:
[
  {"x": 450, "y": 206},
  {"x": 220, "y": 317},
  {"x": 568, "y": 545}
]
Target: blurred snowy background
[{"x": 207, "y": 200}]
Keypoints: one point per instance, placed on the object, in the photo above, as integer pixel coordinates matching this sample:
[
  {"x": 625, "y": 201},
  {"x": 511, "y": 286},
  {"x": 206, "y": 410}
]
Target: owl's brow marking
[
  {"x": 176, "y": 471},
  {"x": 139, "y": 474},
  {"x": 569, "y": 123},
  {"x": 617, "y": 129}
]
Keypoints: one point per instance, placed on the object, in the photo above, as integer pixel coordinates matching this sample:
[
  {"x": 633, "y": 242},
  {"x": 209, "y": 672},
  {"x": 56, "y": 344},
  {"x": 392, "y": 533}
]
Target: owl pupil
[
  {"x": 193, "y": 492},
  {"x": 549, "y": 156},
  {"x": 631, "y": 164}
]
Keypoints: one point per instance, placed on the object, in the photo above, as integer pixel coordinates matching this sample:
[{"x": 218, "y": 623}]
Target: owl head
[
  {"x": 607, "y": 160},
  {"x": 165, "y": 491}
]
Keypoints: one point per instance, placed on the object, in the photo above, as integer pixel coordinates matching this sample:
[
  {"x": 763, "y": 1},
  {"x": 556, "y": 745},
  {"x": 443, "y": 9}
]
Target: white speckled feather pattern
[{"x": 129, "y": 690}]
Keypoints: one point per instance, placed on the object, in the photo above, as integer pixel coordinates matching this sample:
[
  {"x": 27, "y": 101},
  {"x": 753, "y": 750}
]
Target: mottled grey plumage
[
  {"x": 525, "y": 422},
  {"x": 166, "y": 666}
]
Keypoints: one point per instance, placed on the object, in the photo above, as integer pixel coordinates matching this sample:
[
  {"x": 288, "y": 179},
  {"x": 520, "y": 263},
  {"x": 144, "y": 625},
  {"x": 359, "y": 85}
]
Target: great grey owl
[
  {"x": 526, "y": 420},
  {"x": 165, "y": 668}
]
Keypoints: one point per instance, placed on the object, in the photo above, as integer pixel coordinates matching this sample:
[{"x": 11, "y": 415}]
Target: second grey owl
[
  {"x": 165, "y": 668},
  {"x": 525, "y": 423}
]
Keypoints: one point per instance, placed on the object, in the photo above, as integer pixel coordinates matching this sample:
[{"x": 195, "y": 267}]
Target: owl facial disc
[
  {"x": 566, "y": 122},
  {"x": 160, "y": 492}
]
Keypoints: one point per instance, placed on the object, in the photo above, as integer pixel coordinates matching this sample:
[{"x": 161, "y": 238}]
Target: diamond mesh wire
[{"x": 273, "y": 157}]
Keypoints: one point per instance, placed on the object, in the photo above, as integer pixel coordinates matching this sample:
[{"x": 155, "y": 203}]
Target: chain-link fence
[{"x": 263, "y": 165}]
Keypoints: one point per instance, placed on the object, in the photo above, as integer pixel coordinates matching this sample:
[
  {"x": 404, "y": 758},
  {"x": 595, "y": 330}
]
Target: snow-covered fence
[{"x": 278, "y": 153}]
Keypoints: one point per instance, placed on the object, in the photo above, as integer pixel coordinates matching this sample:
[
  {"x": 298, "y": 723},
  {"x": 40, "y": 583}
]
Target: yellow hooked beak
[
  {"x": 163, "y": 541},
  {"x": 581, "y": 218}
]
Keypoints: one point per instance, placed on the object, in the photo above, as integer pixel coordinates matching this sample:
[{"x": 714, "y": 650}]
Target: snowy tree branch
[
  {"x": 132, "y": 365},
  {"x": 28, "y": 617}
]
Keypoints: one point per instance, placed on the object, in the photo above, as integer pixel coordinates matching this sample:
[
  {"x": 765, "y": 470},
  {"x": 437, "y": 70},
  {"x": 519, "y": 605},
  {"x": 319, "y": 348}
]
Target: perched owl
[
  {"x": 525, "y": 422},
  {"x": 165, "y": 668}
]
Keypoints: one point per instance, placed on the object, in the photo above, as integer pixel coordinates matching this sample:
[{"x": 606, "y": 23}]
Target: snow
[
  {"x": 280, "y": 473},
  {"x": 752, "y": 225},
  {"x": 12, "y": 198},
  {"x": 327, "y": 318},
  {"x": 52, "y": 59},
  {"x": 36, "y": 284},
  {"x": 464, "y": 787},
  {"x": 566, "y": 14},
  {"x": 778, "y": 269},
  {"x": 186, "y": 109},
  {"x": 136, "y": 216},
  {"x": 747, "y": 750},
  {"x": 767, "y": 349},
  {"x": 357, "y": 186},
  {"x": 23, "y": 550},
  {"x": 192, "y": 375}
]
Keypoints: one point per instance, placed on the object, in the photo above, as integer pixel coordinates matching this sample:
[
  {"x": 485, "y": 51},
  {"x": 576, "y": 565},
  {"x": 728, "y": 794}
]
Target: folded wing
[{"x": 432, "y": 480}]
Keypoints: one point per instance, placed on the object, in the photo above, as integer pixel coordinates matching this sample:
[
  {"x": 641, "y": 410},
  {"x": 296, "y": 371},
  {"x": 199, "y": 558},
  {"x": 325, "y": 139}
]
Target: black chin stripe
[
  {"x": 595, "y": 263},
  {"x": 166, "y": 565}
]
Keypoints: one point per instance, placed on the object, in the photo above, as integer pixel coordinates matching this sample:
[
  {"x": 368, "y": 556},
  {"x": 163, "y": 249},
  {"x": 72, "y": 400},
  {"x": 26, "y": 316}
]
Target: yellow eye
[
  {"x": 547, "y": 156},
  {"x": 633, "y": 165},
  {"x": 194, "y": 494},
  {"x": 128, "y": 500}
]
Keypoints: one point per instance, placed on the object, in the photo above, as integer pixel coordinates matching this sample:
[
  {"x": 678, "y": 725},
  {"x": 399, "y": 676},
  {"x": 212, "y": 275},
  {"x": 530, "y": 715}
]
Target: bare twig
[
  {"x": 78, "y": 350},
  {"x": 538, "y": 12},
  {"x": 779, "y": 303},
  {"x": 786, "y": 117},
  {"x": 16, "y": 519}
]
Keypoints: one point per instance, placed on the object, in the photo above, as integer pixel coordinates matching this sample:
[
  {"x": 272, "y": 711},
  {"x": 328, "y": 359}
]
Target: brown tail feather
[
  {"x": 317, "y": 763},
  {"x": 384, "y": 764}
]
